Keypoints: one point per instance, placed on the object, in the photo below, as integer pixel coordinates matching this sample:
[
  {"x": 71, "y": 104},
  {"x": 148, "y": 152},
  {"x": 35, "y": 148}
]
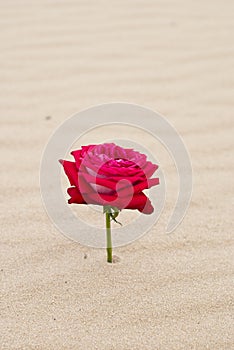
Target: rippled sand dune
[{"x": 168, "y": 291}]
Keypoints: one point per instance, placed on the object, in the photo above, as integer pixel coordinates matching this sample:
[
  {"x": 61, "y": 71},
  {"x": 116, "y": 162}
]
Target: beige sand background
[{"x": 167, "y": 292}]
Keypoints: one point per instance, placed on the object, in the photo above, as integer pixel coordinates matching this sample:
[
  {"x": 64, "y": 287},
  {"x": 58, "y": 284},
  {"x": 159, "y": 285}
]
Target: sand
[{"x": 167, "y": 291}]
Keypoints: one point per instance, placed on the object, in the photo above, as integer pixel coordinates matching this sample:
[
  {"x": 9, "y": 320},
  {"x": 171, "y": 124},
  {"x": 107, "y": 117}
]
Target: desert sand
[{"x": 167, "y": 291}]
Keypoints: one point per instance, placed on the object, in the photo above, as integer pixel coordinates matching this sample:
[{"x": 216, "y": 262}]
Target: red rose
[{"x": 108, "y": 174}]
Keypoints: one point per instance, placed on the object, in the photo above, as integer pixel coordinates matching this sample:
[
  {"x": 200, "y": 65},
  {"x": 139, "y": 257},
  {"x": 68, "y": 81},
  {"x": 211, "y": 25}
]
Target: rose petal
[
  {"x": 75, "y": 195},
  {"x": 139, "y": 201},
  {"x": 149, "y": 169},
  {"x": 71, "y": 171}
]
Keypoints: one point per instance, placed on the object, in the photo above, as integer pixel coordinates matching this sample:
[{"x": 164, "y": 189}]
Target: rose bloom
[{"x": 107, "y": 174}]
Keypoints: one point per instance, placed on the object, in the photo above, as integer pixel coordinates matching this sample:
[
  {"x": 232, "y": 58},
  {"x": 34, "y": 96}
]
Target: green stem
[{"x": 108, "y": 238}]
